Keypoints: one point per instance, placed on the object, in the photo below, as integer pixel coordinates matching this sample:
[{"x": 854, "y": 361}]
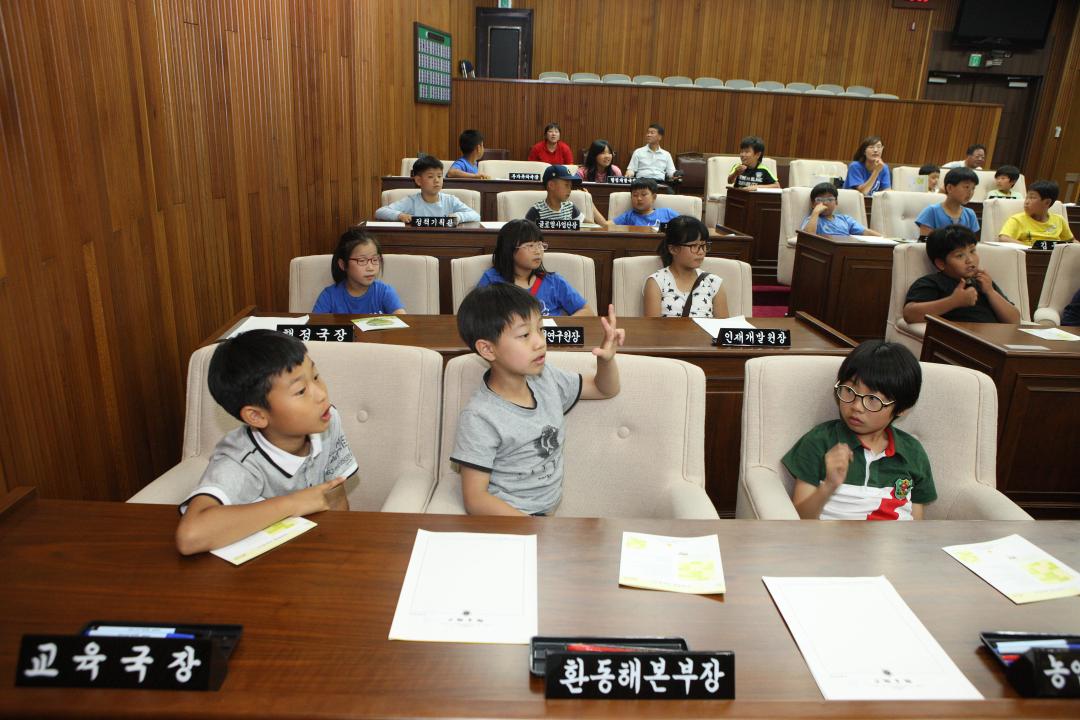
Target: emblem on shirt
[
  {"x": 902, "y": 488},
  {"x": 548, "y": 442}
]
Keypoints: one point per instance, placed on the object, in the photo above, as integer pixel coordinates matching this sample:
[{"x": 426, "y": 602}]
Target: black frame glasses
[{"x": 839, "y": 389}]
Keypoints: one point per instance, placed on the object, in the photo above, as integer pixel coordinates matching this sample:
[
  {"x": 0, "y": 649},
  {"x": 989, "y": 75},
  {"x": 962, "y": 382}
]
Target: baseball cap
[{"x": 559, "y": 172}]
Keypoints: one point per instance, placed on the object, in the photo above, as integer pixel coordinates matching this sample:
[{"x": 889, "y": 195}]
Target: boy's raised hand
[
  {"x": 986, "y": 283},
  {"x": 614, "y": 336},
  {"x": 328, "y": 496},
  {"x": 964, "y": 295},
  {"x": 836, "y": 464}
]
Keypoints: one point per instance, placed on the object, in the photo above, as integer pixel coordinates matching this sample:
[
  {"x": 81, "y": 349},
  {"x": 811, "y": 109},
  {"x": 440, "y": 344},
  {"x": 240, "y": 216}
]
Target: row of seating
[{"x": 715, "y": 84}]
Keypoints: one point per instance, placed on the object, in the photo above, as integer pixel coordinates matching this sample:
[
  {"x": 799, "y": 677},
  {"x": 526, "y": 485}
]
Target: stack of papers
[
  {"x": 1052, "y": 333},
  {"x": 1018, "y": 569},
  {"x": 381, "y": 322},
  {"x": 713, "y": 326},
  {"x": 675, "y": 564},
  {"x": 267, "y": 323}
]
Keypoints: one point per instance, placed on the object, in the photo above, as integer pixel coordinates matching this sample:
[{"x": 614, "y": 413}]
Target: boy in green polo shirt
[{"x": 860, "y": 467}]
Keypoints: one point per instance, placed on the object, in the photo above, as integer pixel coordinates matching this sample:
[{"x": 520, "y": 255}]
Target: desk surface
[
  {"x": 317, "y": 611},
  {"x": 998, "y": 336},
  {"x": 594, "y": 230}
]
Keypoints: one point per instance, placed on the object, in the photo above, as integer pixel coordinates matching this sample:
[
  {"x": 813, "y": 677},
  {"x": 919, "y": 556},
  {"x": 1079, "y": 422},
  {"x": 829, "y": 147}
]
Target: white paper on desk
[
  {"x": 874, "y": 240},
  {"x": 713, "y": 326},
  {"x": 469, "y": 587},
  {"x": 1027, "y": 347},
  {"x": 675, "y": 564},
  {"x": 256, "y": 544},
  {"x": 267, "y": 323},
  {"x": 380, "y": 322},
  {"x": 384, "y": 223},
  {"x": 1051, "y": 333},
  {"x": 548, "y": 322},
  {"x": 1018, "y": 569},
  {"x": 492, "y": 224},
  {"x": 773, "y": 191},
  {"x": 862, "y": 642}
]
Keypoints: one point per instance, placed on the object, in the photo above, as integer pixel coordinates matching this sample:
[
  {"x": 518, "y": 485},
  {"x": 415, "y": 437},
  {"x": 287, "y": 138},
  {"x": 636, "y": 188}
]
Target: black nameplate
[
  {"x": 558, "y": 224},
  {"x": 641, "y": 675},
  {"x": 434, "y": 222},
  {"x": 620, "y": 180},
  {"x": 121, "y": 662},
  {"x": 322, "y": 333},
  {"x": 753, "y": 338},
  {"x": 535, "y": 177},
  {"x": 1043, "y": 245},
  {"x": 565, "y": 335},
  {"x": 1046, "y": 672}
]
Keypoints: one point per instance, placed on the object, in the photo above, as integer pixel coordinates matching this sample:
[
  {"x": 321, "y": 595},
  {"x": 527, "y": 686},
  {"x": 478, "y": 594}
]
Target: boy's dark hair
[
  {"x": 977, "y": 146},
  {"x": 658, "y": 128},
  {"x": 469, "y": 141},
  {"x": 955, "y": 176},
  {"x": 929, "y": 169},
  {"x": 243, "y": 368},
  {"x": 944, "y": 240},
  {"x": 1010, "y": 171},
  {"x": 552, "y": 126},
  {"x": 753, "y": 141},
  {"x": 683, "y": 230},
  {"x": 486, "y": 311},
  {"x": 512, "y": 235},
  {"x": 425, "y": 163},
  {"x": 884, "y": 367},
  {"x": 346, "y": 244},
  {"x": 1046, "y": 189},
  {"x": 825, "y": 188},
  {"x": 597, "y": 147},
  {"x": 641, "y": 183},
  {"x": 860, "y": 154}
]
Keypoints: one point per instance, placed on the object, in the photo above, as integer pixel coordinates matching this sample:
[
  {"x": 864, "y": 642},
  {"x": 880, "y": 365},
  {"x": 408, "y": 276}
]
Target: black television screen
[{"x": 1003, "y": 23}]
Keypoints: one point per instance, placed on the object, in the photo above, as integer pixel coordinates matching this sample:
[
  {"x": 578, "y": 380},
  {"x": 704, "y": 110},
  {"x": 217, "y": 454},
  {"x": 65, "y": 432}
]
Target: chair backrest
[
  {"x": 678, "y": 80},
  {"x": 392, "y": 425},
  {"x": 717, "y": 169},
  {"x": 739, "y": 84},
  {"x": 986, "y": 184},
  {"x": 578, "y": 270},
  {"x": 794, "y": 207},
  {"x": 995, "y": 211},
  {"x": 894, "y": 211},
  {"x": 808, "y": 173},
  {"x": 552, "y": 75},
  {"x": 1062, "y": 279},
  {"x": 642, "y": 79},
  {"x": 414, "y": 277},
  {"x": 800, "y": 87},
  {"x": 815, "y": 91},
  {"x": 834, "y": 89},
  {"x": 709, "y": 82},
  {"x": 501, "y": 169},
  {"x": 769, "y": 85},
  {"x": 513, "y": 204},
  {"x": 407, "y": 163},
  {"x": 910, "y": 263},
  {"x": 1007, "y": 264},
  {"x": 469, "y": 197},
  {"x": 616, "y": 78},
  {"x": 619, "y": 202},
  {"x": 955, "y": 420},
  {"x": 860, "y": 90},
  {"x": 629, "y": 275},
  {"x": 584, "y": 77},
  {"x": 908, "y": 179},
  {"x": 643, "y": 454}
]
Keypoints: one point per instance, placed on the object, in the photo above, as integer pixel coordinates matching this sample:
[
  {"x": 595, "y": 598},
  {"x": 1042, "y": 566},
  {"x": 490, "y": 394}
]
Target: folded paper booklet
[
  {"x": 380, "y": 322},
  {"x": 675, "y": 564},
  {"x": 1018, "y": 569},
  {"x": 263, "y": 541}
]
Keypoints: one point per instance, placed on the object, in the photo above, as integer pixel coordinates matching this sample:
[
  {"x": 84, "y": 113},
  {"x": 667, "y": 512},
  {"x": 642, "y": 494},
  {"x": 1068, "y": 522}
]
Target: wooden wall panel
[{"x": 511, "y": 114}]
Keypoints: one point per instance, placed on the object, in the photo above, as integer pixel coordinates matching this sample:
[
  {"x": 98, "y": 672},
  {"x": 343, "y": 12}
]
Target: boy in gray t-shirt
[
  {"x": 289, "y": 458},
  {"x": 510, "y": 436}
]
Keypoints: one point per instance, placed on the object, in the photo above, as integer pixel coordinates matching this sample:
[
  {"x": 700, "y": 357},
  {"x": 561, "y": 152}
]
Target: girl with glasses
[
  {"x": 356, "y": 266},
  {"x": 681, "y": 288}
]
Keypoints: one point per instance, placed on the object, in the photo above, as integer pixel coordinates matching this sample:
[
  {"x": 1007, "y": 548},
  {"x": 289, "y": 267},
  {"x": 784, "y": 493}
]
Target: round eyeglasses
[
  {"x": 872, "y": 403},
  {"x": 373, "y": 261},
  {"x": 534, "y": 245}
]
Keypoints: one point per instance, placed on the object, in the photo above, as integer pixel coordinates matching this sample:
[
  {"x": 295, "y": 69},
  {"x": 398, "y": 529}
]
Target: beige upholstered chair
[
  {"x": 808, "y": 173},
  {"x": 501, "y": 169},
  {"x": 407, "y": 163},
  {"x": 414, "y": 277},
  {"x": 1061, "y": 283},
  {"x": 578, "y": 270},
  {"x": 630, "y": 273},
  {"x": 639, "y": 454},
  {"x": 907, "y": 179},
  {"x": 619, "y": 202},
  {"x": 986, "y": 184},
  {"x": 794, "y": 207},
  {"x": 996, "y": 211},
  {"x": 392, "y": 425},
  {"x": 469, "y": 197},
  {"x": 894, "y": 211},
  {"x": 955, "y": 419},
  {"x": 717, "y": 169},
  {"x": 513, "y": 204}
]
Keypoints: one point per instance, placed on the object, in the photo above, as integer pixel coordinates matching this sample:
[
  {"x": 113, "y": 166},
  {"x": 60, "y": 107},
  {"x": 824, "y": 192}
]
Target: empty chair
[
  {"x": 709, "y": 82},
  {"x": 834, "y": 89},
  {"x": 653, "y": 462},
  {"x": 619, "y": 202},
  {"x": 996, "y": 211},
  {"x": 794, "y": 207},
  {"x": 739, "y": 84},
  {"x": 819, "y": 92},
  {"x": 883, "y": 96},
  {"x": 642, "y": 79},
  {"x": 469, "y": 197},
  {"x": 986, "y": 184},
  {"x": 616, "y": 79},
  {"x": 808, "y": 173},
  {"x": 501, "y": 169},
  {"x": 908, "y": 179},
  {"x": 584, "y": 77},
  {"x": 894, "y": 211},
  {"x": 392, "y": 424},
  {"x": 407, "y": 163},
  {"x": 678, "y": 80},
  {"x": 629, "y": 275},
  {"x": 849, "y": 94},
  {"x": 955, "y": 420},
  {"x": 552, "y": 75},
  {"x": 414, "y": 277},
  {"x": 578, "y": 270},
  {"x": 513, "y": 204},
  {"x": 769, "y": 85},
  {"x": 860, "y": 90},
  {"x": 1060, "y": 284},
  {"x": 800, "y": 87}
]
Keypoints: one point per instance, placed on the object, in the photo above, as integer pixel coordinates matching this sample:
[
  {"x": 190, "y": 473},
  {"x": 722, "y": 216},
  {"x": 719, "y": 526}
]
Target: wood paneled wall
[{"x": 512, "y": 114}]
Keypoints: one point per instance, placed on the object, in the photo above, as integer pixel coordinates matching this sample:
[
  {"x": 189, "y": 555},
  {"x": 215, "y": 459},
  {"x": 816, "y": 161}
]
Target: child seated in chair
[
  {"x": 860, "y": 467},
  {"x": 960, "y": 184},
  {"x": 510, "y": 437},
  {"x": 750, "y": 173},
  {"x": 1037, "y": 222},
  {"x": 431, "y": 201},
  {"x": 823, "y": 218},
  {"x": 643, "y": 210},
  {"x": 681, "y": 288},
  {"x": 1005, "y": 178},
  {"x": 290, "y": 456},
  {"x": 356, "y": 266}
]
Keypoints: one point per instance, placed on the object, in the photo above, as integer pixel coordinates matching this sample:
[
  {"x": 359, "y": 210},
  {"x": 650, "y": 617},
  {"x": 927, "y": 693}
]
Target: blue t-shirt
[
  {"x": 857, "y": 174},
  {"x": 380, "y": 299},
  {"x": 658, "y": 215},
  {"x": 838, "y": 224},
  {"x": 934, "y": 217},
  {"x": 555, "y": 295},
  {"x": 463, "y": 164}
]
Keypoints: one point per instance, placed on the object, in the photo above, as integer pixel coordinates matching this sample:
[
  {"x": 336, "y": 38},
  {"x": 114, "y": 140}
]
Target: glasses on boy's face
[
  {"x": 699, "y": 247},
  {"x": 369, "y": 261},
  {"x": 534, "y": 246},
  {"x": 872, "y": 403}
]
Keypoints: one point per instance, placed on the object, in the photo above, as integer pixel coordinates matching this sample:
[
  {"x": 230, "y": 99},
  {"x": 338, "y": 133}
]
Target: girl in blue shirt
[
  {"x": 356, "y": 265},
  {"x": 868, "y": 173},
  {"x": 519, "y": 259}
]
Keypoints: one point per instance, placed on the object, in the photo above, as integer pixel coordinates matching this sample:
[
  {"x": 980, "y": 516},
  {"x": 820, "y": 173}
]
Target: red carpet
[{"x": 771, "y": 300}]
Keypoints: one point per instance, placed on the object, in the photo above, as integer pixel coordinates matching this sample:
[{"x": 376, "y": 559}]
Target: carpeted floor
[{"x": 771, "y": 300}]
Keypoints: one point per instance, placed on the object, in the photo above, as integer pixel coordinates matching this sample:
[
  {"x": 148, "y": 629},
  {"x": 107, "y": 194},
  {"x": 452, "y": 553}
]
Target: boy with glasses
[
  {"x": 823, "y": 218},
  {"x": 860, "y": 467}
]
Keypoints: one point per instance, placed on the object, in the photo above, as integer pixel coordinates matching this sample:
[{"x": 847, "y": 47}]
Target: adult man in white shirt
[
  {"x": 650, "y": 160},
  {"x": 976, "y": 156}
]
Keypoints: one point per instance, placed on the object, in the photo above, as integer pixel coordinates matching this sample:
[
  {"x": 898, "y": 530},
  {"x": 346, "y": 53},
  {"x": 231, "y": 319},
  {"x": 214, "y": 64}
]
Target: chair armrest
[
  {"x": 915, "y": 330},
  {"x": 410, "y": 493},
  {"x": 1047, "y": 316},
  {"x": 690, "y": 501},
  {"x": 717, "y": 197},
  {"x": 981, "y": 502},
  {"x": 769, "y": 499},
  {"x": 172, "y": 487}
]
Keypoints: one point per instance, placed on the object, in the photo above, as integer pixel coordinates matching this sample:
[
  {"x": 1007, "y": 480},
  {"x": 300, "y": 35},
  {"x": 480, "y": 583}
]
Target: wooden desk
[
  {"x": 317, "y": 611},
  {"x": 603, "y": 245},
  {"x": 1038, "y": 408},
  {"x": 489, "y": 190},
  {"x": 844, "y": 282},
  {"x": 659, "y": 337},
  {"x": 757, "y": 214},
  {"x": 1072, "y": 212}
]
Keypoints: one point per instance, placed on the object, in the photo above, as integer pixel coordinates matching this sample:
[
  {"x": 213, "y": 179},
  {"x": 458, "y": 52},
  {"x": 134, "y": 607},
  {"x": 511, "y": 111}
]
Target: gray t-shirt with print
[{"x": 521, "y": 447}]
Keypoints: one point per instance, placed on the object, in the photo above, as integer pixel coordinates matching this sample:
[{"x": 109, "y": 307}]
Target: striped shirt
[{"x": 541, "y": 211}]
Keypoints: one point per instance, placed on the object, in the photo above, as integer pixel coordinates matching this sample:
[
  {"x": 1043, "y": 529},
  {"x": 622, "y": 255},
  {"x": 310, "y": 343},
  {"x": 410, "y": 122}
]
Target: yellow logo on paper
[
  {"x": 281, "y": 525},
  {"x": 696, "y": 570},
  {"x": 636, "y": 543},
  {"x": 1048, "y": 572},
  {"x": 967, "y": 557}
]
